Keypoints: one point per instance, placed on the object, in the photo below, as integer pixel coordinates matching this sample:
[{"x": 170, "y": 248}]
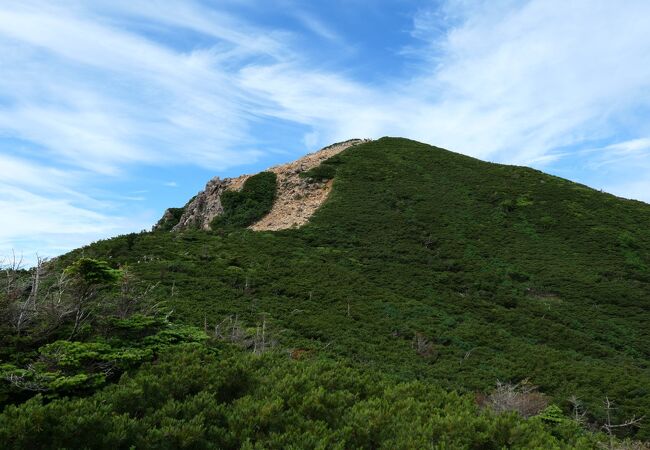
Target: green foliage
[
  {"x": 170, "y": 219},
  {"x": 245, "y": 207},
  {"x": 323, "y": 172},
  {"x": 552, "y": 413},
  {"x": 72, "y": 367},
  {"x": 191, "y": 399},
  {"x": 92, "y": 272}
]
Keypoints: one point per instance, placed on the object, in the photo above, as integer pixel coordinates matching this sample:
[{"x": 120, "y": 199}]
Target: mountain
[{"x": 388, "y": 286}]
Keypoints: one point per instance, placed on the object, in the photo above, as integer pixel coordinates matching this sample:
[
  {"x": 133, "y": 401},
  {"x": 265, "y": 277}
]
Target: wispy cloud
[
  {"x": 511, "y": 81},
  {"x": 635, "y": 151},
  {"x": 113, "y": 96},
  {"x": 47, "y": 212},
  {"x": 318, "y": 27},
  {"x": 518, "y": 79},
  {"x": 96, "y": 89}
]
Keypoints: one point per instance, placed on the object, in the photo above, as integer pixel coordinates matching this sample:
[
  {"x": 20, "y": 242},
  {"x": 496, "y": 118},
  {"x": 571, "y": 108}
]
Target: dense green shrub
[
  {"x": 245, "y": 207},
  {"x": 323, "y": 172},
  {"x": 91, "y": 272},
  {"x": 73, "y": 367},
  {"x": 191, "y": 399}
]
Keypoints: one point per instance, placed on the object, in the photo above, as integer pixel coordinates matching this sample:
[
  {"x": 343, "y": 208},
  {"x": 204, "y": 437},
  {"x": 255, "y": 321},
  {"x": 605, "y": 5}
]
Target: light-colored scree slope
[{"x": 296, "y": 199}]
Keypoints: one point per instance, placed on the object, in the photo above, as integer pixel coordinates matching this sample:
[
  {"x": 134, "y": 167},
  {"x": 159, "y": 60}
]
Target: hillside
[
  {"x": 295, "y": 201},
  {"x": 436, "y": 273}
]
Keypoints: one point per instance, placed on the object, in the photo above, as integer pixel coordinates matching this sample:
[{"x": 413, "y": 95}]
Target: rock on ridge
[{"x": 296, "y": 199}]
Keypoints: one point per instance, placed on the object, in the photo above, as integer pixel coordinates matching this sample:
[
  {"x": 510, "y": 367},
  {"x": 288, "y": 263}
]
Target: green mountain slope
[{"x": 428, "y": 265}]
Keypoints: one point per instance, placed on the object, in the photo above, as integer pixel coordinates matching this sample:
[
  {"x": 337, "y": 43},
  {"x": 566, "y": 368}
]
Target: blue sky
[{"x": 113, "y": 110}]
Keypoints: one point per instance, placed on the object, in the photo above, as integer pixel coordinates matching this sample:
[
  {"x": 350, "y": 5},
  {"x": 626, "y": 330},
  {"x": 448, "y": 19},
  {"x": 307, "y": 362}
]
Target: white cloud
[
  {"x": 518, "y": 79},
  {"x": 510, "y": 81},
  {"x": 46, "y": 212},
  {"x": 50, "y": 225},
  {"x": 637, "y": 190},
  {"x": 101, "y": 96},
  {"x": 635, "y": 152},
  {"x": 90, "y": 96}
]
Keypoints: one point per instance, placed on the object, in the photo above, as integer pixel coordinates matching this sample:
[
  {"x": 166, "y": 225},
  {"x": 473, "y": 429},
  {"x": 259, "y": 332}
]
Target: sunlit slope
[{"x": 431, "y": 265}]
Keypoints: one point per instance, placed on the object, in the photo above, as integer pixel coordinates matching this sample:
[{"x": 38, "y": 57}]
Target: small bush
[
  {"x": 245, "y": 207},
  {"x": 320, "y": 173},
  {"x": 170, "y": 219}
]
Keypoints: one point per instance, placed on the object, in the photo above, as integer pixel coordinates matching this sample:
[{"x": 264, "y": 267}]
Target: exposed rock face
[
  {"x": 296, "y": 199},
  {"x": 205, "y": 206},
  {"x": 169, "y": 219}
]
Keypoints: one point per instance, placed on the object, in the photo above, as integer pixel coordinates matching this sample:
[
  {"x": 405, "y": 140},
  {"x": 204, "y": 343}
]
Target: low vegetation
[
  {"x": 198, "y": 397},
  {"x": 387, "y": 321},
  {"x": 170, "y": 219}
]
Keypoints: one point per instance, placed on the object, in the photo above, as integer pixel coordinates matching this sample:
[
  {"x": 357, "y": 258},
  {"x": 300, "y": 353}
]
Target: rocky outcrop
[
  {"x": 169, "y": 219},
  {"x": 204, "y": 207},
  {"x": 296, "y": 198}
]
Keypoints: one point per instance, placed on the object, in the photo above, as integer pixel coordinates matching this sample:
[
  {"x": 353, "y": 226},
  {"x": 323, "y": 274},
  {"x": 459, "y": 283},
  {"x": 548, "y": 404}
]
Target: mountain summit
[{"x": 376, "y": 294}]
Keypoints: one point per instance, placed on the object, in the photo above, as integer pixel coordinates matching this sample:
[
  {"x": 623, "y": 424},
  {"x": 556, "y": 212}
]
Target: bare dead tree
[
  {"x": 231, "y": 330},
  {"x": 36, "y": 303},
  {"x": 610, "y": 427},
  {"x": 82, "y": 302},
  {"x": 11, "y": 267},
  {"x": 259, "y": 342},
  {"x": 467, "y": 354},
  {"x": 522, "y": 398},
  {"x": 27, "y": 310},
  {"x": 21, "y": 297},
  {"x": 56, "y": 305},
  {"x": 12, "y": 290},
  {"x": 579, "y": 412},
  {"x": 423, "y": 346},
  {"x": 32, "y": 380}
]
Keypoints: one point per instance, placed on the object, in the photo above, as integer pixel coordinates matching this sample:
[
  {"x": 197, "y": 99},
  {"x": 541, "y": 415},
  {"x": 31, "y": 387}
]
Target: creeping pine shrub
[
  {"x": 92, "y": 272},
  {"x": 73, "y": 368},
  {"x": 324, "y": 171},
  {"x": 193, "y": 397},
  {"x": 245, "y": 207},
  {"x": 320, "y": 173},
  {"x": 171, "y": 219}
]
